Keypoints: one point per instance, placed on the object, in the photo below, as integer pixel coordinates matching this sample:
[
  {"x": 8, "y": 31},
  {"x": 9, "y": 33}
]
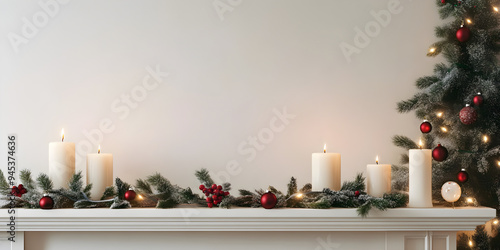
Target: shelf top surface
[{"x": 439, "y": 212}]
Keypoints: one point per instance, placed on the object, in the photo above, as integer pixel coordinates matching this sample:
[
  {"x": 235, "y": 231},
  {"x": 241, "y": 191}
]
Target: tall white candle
[
  {"x": 99, "y": 173},
  {"x": 420, "y": 178},
  {"x": 325, "y": 171},
  {"x": 61, "y": 162},
  {"x": 378, "y": 179}
]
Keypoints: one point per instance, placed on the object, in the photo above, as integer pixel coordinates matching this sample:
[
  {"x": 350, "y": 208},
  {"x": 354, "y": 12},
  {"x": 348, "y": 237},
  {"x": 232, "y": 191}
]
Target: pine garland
[{"x": 157, "y": 191}]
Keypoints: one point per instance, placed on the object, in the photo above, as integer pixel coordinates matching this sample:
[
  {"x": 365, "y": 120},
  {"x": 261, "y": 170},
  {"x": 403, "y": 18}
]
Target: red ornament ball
[
  {"x": 463, "y": 176},
  {"x": 130, "y": 195},
  {"x": 202, "y": 187},
  {"x": 463, "y": 34},
  {"x": 443, "y": 1},
  {"x": 478, "y": 99},
  {"x": 440, "y": 153},
  {"x": 268, "y": 200},
  {"x": 356, "y": 193},
  {"x": 425, "y": 127},
  {"x": 468, "y": 115},
  {"x": 46, "y": 202}
]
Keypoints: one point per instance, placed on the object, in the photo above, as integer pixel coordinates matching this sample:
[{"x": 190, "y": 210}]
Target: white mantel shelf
[{"x": 250, "y": 219}]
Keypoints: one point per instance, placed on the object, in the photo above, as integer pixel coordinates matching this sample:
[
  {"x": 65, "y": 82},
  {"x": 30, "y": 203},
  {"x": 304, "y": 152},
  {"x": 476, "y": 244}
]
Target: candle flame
[
  {"x": 140, "y": 197},
  {"x": 99, "y": 149},
  {"x": 468, "y": 21},
  {"x": 420, "y": 144},
  {"x": 485, "y": 138},
  {"x": 432, "y": 50},
  {"x": 444, "y": 129},
  {"x": 495, "y": 222},
  {"x": 495, "y": 8},
  {"x": 299, "y": 195},
  {"x": 470, "y": 243},
  {"x": 439, "y": 114},
  {"x": 324, "y": 149},
  {"x": 376, "y": 159},
  {"x": 470, "y": 200},
  {"x": 62, "y": 135}
]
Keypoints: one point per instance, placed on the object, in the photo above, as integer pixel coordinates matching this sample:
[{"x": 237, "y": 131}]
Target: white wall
[{"x": 225, "y": 79}]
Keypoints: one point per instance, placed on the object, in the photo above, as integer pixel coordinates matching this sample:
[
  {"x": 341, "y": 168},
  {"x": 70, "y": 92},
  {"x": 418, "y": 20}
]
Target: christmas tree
[{"x": 461, "y": 104}]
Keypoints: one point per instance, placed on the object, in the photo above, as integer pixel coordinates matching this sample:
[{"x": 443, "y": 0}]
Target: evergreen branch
[
  {"x": 405, "y": 158},
  {"x": 87, "y": 189},
  {"x": 119, "y": 203},
  {"x": 162, "y": 185},
  {"x": 109, "y": 192},
  {"x": 426, "y": 81},
  {"x": 244, "y": 192},
  {"x": 170, "y": 203},
  {"x": 121, "y": 188},
  {"x": 4, "y": 185},
  {"x": 25, "y": 176},
  {"x": 143, "y": 186},
  {"x": 76, "y": 183},
  {"x": 44, "y": 182},
  {"x": 204, "y": 177},
  {"x": 226, "y": 186},
  {"x": 306, "y": 188},
  {"x": 412, "y": 103},
  {"x": 188, "y": 196},
  {"x": 357, "y": 185},
  {"x": 404, "y": 142},
  {"x": 292, "y": 187}
]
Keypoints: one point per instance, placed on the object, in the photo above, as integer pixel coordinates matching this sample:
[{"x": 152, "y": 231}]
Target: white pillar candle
[
  {"x": 325, "y": 171},
  {"x": 99, "y": 173},
  {"x": 61, "y": 162},
  {"x": 420, "y": 178},
  {"x": 378, "y": 179}
]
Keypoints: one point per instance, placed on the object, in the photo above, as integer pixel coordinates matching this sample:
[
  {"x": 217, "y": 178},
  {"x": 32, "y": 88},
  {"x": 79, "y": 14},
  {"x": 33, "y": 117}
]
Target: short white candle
[
  {"x": 420, "y": 178},
  {"x": 378, "y": 179},
  {"x": 99, "y": 173},
  {"x": 325, "y": 171},
  {"x": 61, "y": 162}
]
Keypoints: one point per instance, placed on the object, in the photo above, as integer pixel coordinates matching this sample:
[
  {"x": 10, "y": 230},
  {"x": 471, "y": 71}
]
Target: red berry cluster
[
  {"x": 19, "y": 190},
  {"x": 214, "y": 194}
]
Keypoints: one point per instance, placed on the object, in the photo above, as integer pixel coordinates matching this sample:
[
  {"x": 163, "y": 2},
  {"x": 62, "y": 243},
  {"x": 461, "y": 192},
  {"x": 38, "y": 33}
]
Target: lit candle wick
[
  {"x": 324, "y": 149},
  {"x": 376, "y": 160},
  {"x": 62, "y": 135},
  {"x": 99, "y": 149},
  {"x": 420, "y": 144}
]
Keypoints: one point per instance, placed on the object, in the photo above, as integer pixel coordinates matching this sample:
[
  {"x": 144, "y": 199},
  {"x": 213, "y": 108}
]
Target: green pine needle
[
  {"x": 27, "y": 181},
  {"x": 204, "y": 177},
  {"x": 44, "y": 182}
]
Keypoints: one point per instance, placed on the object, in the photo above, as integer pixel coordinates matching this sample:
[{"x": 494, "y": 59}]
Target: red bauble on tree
[
  {"x": 468, "y": 115},
  {"x": 268, "y": 200},
  {"x": 443, "y": 1},
  {"x": 46, "y": 202},
  {"x": 130, "y": 195},
  {"x": 356, "y": 193},
  {"x": 463, "y": 176},
  {"x": 425, "y": 127},
  {"x": 440, "y": 153},
  {"x": 478, "y": 99},
  {"x": 463, "y": 34}
]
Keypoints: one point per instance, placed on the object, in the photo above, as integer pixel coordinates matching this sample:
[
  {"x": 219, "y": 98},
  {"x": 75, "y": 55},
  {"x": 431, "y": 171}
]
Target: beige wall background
[{"x": 247, "y": 89}]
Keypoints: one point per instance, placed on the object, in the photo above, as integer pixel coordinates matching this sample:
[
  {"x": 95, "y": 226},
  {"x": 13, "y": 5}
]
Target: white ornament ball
[{"x": 451, "y": 191}]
